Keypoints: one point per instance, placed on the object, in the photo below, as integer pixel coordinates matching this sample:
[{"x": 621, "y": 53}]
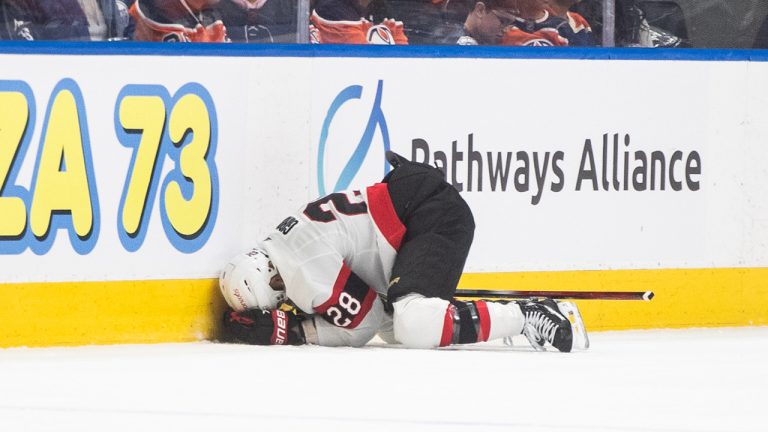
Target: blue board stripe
[{"x": 367, "y": 51}]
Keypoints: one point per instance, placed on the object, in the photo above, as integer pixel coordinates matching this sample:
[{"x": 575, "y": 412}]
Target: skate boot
[{"x": 554, "y": 323}]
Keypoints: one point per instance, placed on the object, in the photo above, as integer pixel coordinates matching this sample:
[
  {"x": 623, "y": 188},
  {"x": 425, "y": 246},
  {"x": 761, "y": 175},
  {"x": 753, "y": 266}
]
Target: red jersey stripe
[
  {"x": 384, "y": 216},
  {"x": 365, "y": 307},
  {"x": 338, "y": 287}
]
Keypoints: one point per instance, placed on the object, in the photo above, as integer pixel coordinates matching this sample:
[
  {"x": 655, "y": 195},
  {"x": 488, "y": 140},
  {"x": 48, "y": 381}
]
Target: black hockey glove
[{"x": 262, "y": 327}]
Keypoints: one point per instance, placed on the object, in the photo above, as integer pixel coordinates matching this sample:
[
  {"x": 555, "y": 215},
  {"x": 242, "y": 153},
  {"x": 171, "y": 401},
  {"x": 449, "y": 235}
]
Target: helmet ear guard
[{"x": 244, "y": 282}]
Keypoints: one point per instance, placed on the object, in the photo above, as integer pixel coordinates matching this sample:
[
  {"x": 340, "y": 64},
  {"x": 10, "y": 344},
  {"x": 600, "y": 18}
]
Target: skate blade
[
  {"x": 509, "y": 341},
  {"x": 580, "y": 337}
]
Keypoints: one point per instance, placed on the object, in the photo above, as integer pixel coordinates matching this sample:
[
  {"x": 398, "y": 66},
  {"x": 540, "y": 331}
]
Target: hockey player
[
  {"x": 178, "y": 21},
  {"x": 580, "y": 31},
  {"x": 350, "y": 22},
  {"x": 535, "y": 16},
  {"x": 259, "y": 21},
  {"x": 389, "y": 255},
  {"x": 512, "y": 23},
  {"x": 63, "y": 20}
]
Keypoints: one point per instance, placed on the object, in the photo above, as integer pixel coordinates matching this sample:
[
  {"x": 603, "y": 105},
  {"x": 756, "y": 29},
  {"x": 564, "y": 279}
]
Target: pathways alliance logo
[{"x": 353, "y": 165}]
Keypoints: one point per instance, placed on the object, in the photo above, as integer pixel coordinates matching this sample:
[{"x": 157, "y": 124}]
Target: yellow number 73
[{"x": 184, "y": 129}]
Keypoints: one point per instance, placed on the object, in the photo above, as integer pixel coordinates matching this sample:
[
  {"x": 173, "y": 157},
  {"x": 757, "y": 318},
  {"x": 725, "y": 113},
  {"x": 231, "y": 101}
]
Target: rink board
[
  {"x": 78, "y": 313},
  {"x": 127, "y": 185}
]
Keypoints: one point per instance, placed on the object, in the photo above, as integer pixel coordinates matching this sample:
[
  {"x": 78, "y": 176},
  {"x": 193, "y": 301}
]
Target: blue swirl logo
[{"x": 355, "y": 162}]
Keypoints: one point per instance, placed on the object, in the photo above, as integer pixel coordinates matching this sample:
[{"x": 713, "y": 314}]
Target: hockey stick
[{"x": 576, "y": 295}]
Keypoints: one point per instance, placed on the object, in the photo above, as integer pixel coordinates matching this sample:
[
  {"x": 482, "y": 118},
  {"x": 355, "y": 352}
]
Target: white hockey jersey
[{"x": 336, "y": 255}]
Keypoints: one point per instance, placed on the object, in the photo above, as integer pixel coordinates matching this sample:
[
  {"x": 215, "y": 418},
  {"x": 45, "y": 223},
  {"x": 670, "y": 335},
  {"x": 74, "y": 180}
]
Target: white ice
[{"x": 661, "y": 380}]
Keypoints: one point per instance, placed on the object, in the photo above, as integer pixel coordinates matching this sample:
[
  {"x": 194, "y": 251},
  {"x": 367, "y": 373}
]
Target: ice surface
[{"x": 660, "y": 380}]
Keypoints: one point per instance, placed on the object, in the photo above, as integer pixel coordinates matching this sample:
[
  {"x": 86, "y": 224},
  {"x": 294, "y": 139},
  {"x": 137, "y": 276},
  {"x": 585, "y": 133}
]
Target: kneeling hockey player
[{"x": 387, "y": 258}]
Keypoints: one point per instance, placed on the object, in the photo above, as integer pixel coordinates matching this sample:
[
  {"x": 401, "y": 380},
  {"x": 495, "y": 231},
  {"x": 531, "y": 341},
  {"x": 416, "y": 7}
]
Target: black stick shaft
[{"x": 576, "y": 295}]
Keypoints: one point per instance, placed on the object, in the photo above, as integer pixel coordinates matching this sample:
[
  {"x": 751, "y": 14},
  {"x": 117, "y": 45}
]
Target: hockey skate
[{"x": 555, "y": 323}]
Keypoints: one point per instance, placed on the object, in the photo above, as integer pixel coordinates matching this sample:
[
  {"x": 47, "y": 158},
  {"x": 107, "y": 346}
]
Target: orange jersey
[
  {"x": 150, "y": 30},
  {"x": 513, "y": 36},
  {"x": 388, "y": 32}
]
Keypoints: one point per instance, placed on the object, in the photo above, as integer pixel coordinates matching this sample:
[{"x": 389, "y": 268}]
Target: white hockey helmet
[{"x": 244, "y": 282}]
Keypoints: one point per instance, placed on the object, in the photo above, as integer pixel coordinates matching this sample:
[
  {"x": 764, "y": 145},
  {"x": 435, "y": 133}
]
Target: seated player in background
[
  {"x": 482, "y": 26},
  {"x": 354, "y": 22},
  {"x": 259, "y": 21},
  {"x": 496, "y": 22},
  {"x": 386, "y": 258},
  {"x": 177, "y": 21},
  {"x": 534, "y": 16},
  {"x": 580, "y": 28},
  {"x": 73, "y": 20}
]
